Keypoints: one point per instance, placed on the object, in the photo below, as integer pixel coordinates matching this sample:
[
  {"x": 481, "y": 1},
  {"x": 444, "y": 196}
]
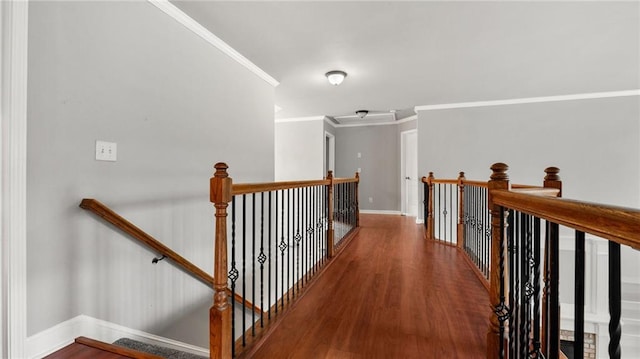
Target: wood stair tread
[{"x": 84, "y": 347}]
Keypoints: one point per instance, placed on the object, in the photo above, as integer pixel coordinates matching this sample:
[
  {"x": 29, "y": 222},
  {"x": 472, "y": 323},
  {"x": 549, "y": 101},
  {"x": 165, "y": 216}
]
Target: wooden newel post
[
  {"x": 430, "y": 219},
  {"x": 499, "y": 181},
  {"x": 330, "y": 233},
  {"x": 552, "y": 180},
  {"x": 460, "y": 235},
  {"x": 357, "y": 200},
  {"x": 220, "y": 336}
]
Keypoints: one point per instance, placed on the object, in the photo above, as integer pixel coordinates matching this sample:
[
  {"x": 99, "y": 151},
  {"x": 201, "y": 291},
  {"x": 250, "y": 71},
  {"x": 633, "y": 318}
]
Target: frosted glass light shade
[{"x": 336, "y": 77}]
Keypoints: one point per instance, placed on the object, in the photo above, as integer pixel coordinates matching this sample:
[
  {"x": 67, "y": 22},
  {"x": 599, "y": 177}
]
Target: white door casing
[{"x": 409, "y": 172}]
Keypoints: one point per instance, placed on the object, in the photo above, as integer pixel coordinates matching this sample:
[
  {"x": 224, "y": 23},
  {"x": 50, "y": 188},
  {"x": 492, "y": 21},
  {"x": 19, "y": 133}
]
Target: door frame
[
  {"x": 13, "y": 182},
  {"x": 332, "y": 153},
  {"x": 403, "y": 171}
]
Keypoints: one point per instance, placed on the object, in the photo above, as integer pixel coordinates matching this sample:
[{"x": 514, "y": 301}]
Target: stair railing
[
  {"x": 457, "y": 213},
  {"x": 132, "y": 230},
  {"x": 119, "y": 222},
  {"x": 524, "y": 291},
  {"x": 270, "y": 245}
]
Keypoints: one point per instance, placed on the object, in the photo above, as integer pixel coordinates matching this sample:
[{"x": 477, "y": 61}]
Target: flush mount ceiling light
[
  {"x": 336, "y": 77},
  {"x": 362, "y": 113}
]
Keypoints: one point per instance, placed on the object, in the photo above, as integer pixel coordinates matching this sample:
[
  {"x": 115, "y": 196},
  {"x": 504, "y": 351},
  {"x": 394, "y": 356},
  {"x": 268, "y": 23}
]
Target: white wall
[
  {"x": 299, "y": 150},
  {"x": 126, "y": 72}
]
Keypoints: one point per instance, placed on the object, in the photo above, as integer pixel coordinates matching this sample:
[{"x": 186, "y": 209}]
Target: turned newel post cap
[
  {"x": 461, "y": 174},
  {"x": 220, "y": 185},
  {"x": 329, "y": 174},
  {"x": 358, "y": 175},
  {"x": 499, "y": 172},
  {"x": 552, "y": 174},
  {"x": 221, "y": 170}
]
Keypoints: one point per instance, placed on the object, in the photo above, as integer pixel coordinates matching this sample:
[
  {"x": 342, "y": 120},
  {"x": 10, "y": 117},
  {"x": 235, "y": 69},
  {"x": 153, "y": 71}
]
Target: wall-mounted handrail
[
  {"x": 119, "y": 222},
  {"x": 129, "y": 228}
]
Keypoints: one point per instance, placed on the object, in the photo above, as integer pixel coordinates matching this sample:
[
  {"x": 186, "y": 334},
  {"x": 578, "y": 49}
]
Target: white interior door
[{"x": 410, "y": 173}]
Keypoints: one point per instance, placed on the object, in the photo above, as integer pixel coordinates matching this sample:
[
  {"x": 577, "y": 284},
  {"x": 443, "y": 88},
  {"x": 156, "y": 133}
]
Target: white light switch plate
[{"x": 106, "y": 151}]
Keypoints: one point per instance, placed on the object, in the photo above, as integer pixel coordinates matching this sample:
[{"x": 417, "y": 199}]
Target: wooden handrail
[
  {"x": 110, "y": 216},
  {"x": 247, "y": 188},
  {"x": 118, "y": 221},
  {"x": 617, "y": 224},
  {"x": 538, "y": 191},
  {"x": 346, "y": 180}
]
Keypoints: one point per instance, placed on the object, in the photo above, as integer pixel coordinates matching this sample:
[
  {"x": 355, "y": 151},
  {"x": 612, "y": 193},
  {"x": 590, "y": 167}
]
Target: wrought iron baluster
[
  {"x": 524, "y": 286},
  {"x": 269, "y": 250},
  {"x": 615, "y": 331},
  {"x": 425, "y": 203},
  {"x": 282, "y": 246},
  {"x": 439, "y": 212},
  {"x": 578, "y": 349},
  {"x": 289, "y": 241},
  {"x": 253, "y": 261},
  {"x": 536, "y": 349},
  {"x": 244, "y": 267},
  {"x": 262, "y": 258},
  {"x": 502, "y": 311},
  {"x": 554, "y": 284},
  {"x": 233, "y": 272},
  {"x": 513, "y": 284},
  {"x": 451, "y": 216}
]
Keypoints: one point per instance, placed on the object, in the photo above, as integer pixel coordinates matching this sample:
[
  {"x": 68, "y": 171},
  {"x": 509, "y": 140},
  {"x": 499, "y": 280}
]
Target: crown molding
[
  {"x": 518, "y": 101},
  {"x": 300, "y": 119},
  {"x": 212, "y": 39},
  {"x": 337, "y": 125}
]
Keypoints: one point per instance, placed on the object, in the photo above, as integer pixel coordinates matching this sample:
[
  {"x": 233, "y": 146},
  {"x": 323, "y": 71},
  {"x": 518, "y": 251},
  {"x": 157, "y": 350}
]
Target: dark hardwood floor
[{"x": 390, "y": 294}]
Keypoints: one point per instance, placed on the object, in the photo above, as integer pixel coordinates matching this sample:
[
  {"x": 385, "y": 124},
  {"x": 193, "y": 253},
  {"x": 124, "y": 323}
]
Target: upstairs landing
[{"x": 389, "y": 294}]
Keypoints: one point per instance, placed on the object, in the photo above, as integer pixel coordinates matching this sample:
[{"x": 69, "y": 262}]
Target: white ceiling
[{"x": 404, "y": 54}]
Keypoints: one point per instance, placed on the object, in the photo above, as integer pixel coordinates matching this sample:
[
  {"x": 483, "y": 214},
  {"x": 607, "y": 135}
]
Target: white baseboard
[
  {"x": 375, "y": 211},
  {"x": 60, "y": 335}
]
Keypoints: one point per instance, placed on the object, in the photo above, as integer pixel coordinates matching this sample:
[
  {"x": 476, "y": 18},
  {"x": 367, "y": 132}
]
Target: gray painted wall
[
  {"x": 299, "y": 150},
  {"x": 126, "y": 72},
  {"x": 595, "y": 143},
  {"x": 379, "y": 161}
]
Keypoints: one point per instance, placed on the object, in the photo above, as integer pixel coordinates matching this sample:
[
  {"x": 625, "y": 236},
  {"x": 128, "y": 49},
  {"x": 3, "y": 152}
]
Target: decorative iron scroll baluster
[
  {"x": 439, "y": 236},
  {"x": 502, "y": 311},
  {"x": 535, "y": 348},
  {"x": 253, "y": 261},
  {"x": 262, "y": 258},
  {"x": 298, "y": 239},
  {"x": 615, "y": 331},
  {"x": 269, "y": 254},
  {"x": 275, "y": 280}
]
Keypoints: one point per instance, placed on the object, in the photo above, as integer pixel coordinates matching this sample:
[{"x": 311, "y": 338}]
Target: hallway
[{"x": 389, "y": 294}]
